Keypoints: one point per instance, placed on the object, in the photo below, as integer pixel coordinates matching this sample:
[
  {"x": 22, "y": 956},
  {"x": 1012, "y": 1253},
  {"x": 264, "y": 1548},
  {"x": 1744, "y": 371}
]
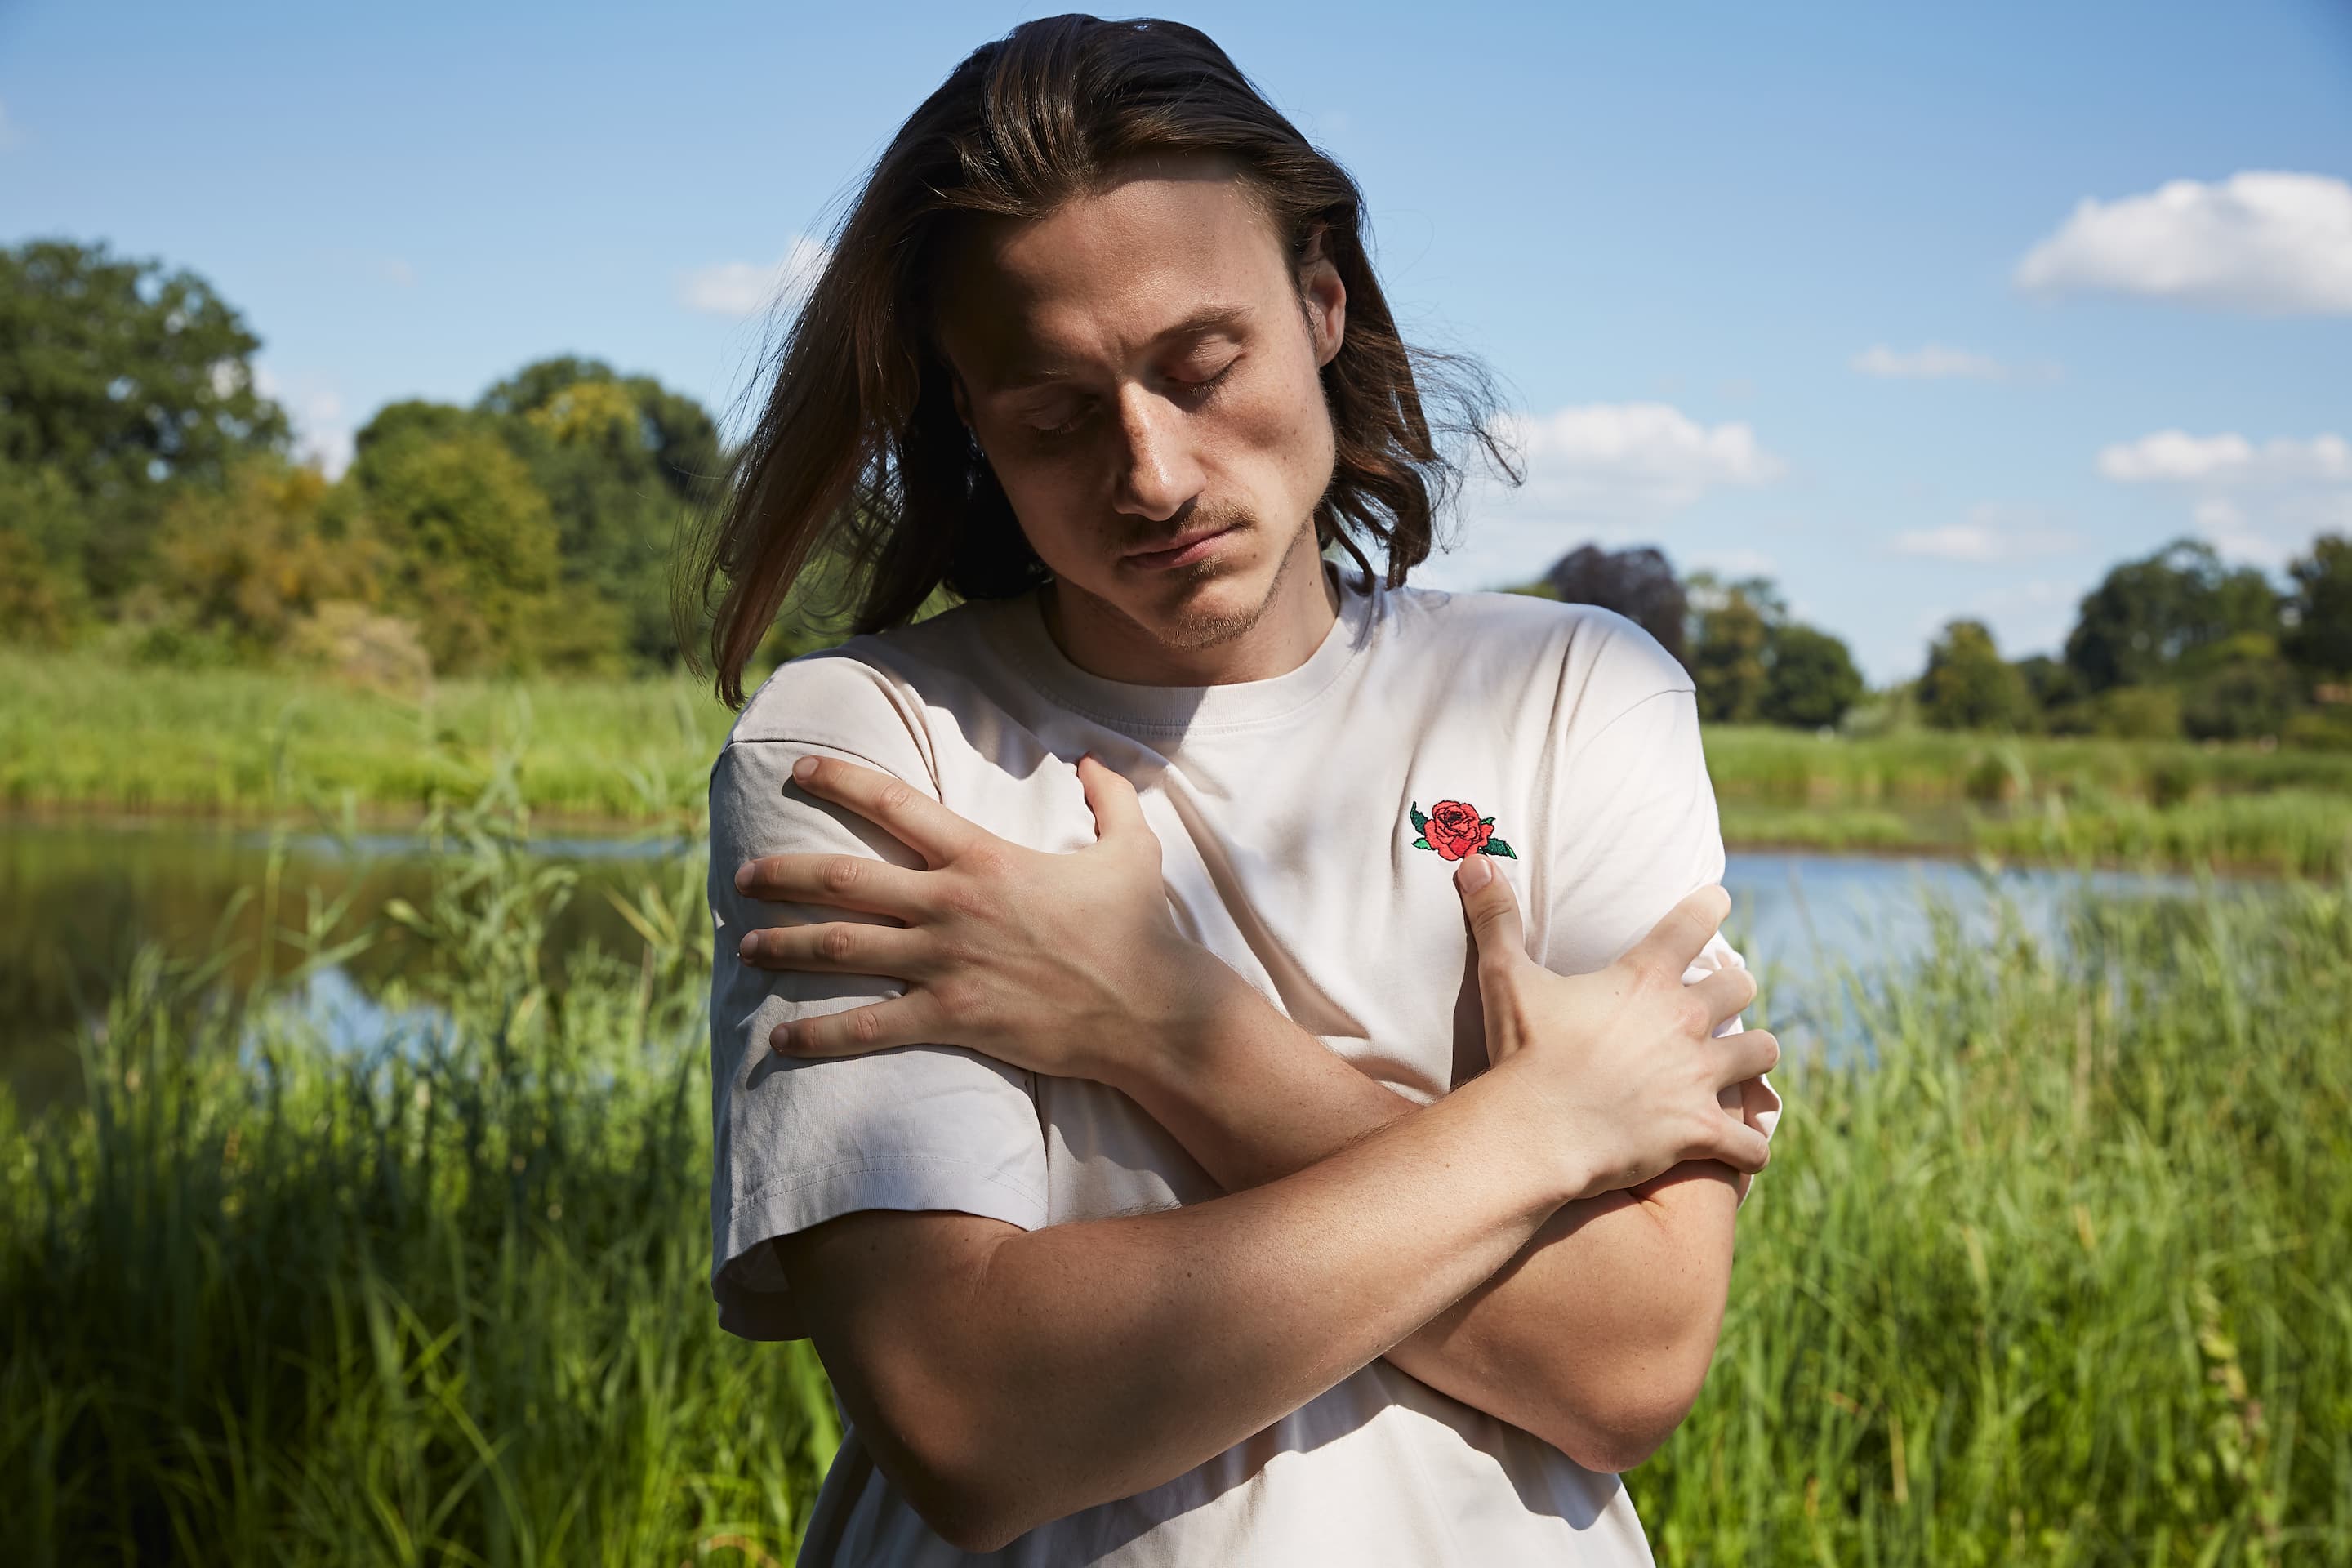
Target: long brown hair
[{"x": 859, "y": 450}]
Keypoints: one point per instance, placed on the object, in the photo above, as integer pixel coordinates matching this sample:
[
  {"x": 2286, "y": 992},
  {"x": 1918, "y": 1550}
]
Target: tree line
[
  {"x": 2176, "y": 645},
  {"x": 150, "y": 505},
  {"x": 148, "y": 499}
]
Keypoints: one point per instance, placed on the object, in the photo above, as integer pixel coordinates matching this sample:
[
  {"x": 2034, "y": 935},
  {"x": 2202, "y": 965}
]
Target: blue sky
[{"x": 1804, "y": 289}]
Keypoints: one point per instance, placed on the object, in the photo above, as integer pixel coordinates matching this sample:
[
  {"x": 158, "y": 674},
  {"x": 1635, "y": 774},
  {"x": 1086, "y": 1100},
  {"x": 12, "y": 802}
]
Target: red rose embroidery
[{"x": 1453, "y": 829}]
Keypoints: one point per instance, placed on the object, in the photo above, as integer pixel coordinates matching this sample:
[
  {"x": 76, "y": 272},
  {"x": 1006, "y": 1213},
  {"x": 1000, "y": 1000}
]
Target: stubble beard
[{"x": 1194, "y": 625}]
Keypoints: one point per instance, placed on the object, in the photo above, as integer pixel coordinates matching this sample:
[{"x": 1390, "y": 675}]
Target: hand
[
  {"x": 1068, "y": 965},
  {"x": 1623, "y": 1064}
]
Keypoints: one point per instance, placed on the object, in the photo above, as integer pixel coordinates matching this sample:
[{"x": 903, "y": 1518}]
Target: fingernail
[
  {"x": 744, "y": 948},
  {"x": 743, "y": 877},
  {"x": 804, "y": 767},
  {"x": 780, "y": 1039},
  {"x": 1472, "y": 874}
]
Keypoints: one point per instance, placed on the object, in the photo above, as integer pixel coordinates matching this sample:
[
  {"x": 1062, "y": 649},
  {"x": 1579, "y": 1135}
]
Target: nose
[{"x": 1159, "y": 472}]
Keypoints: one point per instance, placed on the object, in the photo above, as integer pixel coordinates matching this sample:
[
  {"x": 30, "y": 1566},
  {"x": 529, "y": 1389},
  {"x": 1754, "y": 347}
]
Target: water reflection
[{"x": 78, "y": 901}]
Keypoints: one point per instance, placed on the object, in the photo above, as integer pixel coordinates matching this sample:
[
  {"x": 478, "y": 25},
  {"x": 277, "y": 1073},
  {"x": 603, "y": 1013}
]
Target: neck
[{"x": 1275, "y": 637}]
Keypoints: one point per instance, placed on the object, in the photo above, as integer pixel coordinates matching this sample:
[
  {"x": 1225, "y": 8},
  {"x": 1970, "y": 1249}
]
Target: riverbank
[
  {"x": 2058, "y": 1278},
  {"x": 83, "y": 739}
]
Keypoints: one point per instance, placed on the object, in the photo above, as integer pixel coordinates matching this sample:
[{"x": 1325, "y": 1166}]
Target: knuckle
[
  {"x": 842, "y": 873},
  {"x": 897, "y": 795},
  {"x": 966, "y": 899},
  {"x": 836, "y": 942},
  {"x": 865, "y": 1028},
  {"x": 964, "y": 1002}
]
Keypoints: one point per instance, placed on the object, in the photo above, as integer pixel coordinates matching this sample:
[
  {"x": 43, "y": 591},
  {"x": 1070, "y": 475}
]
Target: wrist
[
  {"x": 1567, "y": 1167},
  {"x": 1176, "y": 1022}
]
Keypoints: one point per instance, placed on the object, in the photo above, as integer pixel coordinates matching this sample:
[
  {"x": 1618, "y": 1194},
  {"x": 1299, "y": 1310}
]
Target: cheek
[{"x": 1283, "y": 434}]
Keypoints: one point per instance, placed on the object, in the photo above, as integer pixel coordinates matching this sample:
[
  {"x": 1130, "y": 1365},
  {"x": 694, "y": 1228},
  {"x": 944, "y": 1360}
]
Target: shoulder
[
  {"x": 1603, "y": 662},
  {"x": 876, "y": 682}
]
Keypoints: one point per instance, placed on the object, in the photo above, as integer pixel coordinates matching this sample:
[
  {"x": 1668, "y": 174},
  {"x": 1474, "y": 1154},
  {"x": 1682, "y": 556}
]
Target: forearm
[
  {"x": 1612, "y": 1300},
  {"x": 1094, "y": 1359}
]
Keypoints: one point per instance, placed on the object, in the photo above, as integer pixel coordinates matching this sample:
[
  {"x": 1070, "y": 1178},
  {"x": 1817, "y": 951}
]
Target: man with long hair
[{"x": 1228, "y": 1055}]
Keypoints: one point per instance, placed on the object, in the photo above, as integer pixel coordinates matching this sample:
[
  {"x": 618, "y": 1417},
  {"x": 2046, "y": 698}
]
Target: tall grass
[
  {"x": 2064, "y": 1274},
  {"x": 442, "y": 1300},
  {"x": 78, "y": 733},
  {"x": 2058, "y": 1269}
]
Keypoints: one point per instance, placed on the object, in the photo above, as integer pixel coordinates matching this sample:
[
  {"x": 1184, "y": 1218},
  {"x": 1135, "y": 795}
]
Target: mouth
[{"x": 1185, "y": 552}]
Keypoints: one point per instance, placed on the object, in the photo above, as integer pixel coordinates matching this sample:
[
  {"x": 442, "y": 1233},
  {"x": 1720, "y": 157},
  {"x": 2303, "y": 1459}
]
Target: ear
[{"x": 1324, "y": 297}]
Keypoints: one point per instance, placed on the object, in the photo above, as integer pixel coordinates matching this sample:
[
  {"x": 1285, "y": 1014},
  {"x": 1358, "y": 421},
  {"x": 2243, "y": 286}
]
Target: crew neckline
[{"x": 1130, "y": 705}]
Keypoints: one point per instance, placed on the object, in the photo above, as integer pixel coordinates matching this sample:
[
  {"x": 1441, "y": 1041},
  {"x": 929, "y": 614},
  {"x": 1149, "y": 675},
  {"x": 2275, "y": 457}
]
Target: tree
[
  {"x": 2152, "y": 620},
  {"x": 127, "y": 380},
  {"x": 1812, "y": 681},
  {"x": 1637, "y": 584},
  {"x": 1968, "y": 685},
  {"x": 1730, "y": 659},
  {"x": 621, "y": 460},
  {"x": 43, "y": 522},
  {"x": 247, "y": 563},
  {"x": 2320, "y": 643},
  {"x": 471, "y": 543},
  {"x": 2048, "y": 681}
]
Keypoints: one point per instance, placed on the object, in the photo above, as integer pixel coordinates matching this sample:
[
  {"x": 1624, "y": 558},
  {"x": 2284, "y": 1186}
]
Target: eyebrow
[{"x": 1205, "y": 322}]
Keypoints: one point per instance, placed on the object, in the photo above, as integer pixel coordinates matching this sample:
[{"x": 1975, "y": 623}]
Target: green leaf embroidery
[
  {"x": 1422, "y": 843},
  {"x": 1496, "y": 847},
  {"x": 1420, "y": 820},
  {"x": 1485, "y": 822}
]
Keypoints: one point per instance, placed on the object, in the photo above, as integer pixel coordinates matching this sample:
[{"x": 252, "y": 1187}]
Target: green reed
[
  {"x": 2052, "y": 1267},
  {"x": 440, "y": 1300},
  {"x": 79, "y": 733},
  {"x": 2065, "y": 1274}
]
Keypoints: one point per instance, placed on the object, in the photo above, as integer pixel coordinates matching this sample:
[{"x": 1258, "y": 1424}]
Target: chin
[{"x": 1210, "y": 608}]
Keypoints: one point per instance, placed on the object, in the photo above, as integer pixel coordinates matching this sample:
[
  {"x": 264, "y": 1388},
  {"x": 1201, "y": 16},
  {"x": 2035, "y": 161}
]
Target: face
[{"x": 1140, "y": 367}]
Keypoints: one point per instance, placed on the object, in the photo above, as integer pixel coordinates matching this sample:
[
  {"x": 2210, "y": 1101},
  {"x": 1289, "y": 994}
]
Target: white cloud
[
  {"x": 1934, "y": 362},
  {"x": 1625, "y": 451},
  {"x": 1959, "y": 541},
  {"x": 2269, "y": 243},
  {"x": 743, "y": 289},
  {"x": 1606, "y": 471},
  {"x": 2260, "y": 503},
  {"x": 1992, "y": 532},
  {"x": 2177, "y": 457}
]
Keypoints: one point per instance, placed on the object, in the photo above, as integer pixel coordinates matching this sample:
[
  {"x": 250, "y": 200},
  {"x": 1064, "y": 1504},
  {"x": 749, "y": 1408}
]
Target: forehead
[{"x": 1106, "y": 273}]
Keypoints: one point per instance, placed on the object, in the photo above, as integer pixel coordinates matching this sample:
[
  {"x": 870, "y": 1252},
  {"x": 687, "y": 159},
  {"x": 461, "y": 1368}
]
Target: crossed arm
[
  {"x": 1595, "y": 1336},
  {"x": 1588, "y": 1322}
]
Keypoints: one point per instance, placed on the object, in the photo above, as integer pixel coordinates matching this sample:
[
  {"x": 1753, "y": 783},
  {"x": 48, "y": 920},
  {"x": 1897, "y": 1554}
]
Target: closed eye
[{"x": 1199, "y": 388}]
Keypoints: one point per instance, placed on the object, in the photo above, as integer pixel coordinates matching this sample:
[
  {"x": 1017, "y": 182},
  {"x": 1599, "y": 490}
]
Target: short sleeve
[
  {"x": 798, "y": 1141},
  {"x": 1638, "y": 831}
]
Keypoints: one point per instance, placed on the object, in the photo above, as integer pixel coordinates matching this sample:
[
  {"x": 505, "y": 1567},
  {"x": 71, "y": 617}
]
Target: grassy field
[
  {"x": 76, "y": 734},
  {"x": 2058, "y": 1276}
]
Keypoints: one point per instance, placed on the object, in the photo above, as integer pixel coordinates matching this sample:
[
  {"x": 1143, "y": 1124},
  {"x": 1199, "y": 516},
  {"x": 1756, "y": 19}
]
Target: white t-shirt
[{"x": 1284, "y": 810}]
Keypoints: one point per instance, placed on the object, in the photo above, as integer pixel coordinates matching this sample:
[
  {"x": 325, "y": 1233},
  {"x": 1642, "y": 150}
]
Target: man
[{"x": 1132, "y": 1065}]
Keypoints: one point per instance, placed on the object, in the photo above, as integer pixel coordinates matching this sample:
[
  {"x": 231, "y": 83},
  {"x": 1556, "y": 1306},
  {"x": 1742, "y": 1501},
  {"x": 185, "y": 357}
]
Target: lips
[{"x": 1179, "y": 550}]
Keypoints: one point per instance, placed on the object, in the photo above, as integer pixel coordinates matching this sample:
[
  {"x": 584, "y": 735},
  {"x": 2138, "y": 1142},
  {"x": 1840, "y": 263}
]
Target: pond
[{"x": 77, "y": 902}]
